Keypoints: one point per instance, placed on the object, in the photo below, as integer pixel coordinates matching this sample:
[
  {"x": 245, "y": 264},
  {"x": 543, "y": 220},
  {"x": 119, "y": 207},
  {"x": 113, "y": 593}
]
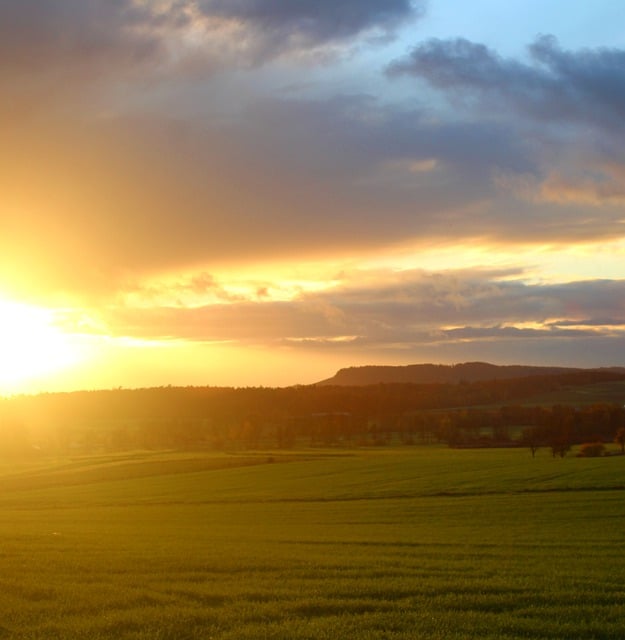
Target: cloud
[
  {"x": 288, "y": 178},
  {"x": 605, "y": 184},
  {"x": 385, "y": 310},
  {"x": 586, "y": 86},
  {"x": 570, "y": 105},
  {"x": 36, "y": 35},
  {"x": 276, "y": 27},
  {"x": 130, "y": 196},
  {"x": 59, "y": 47},
  {"x": 48, "y": 49},
  {"x": 102, "y": 195}
]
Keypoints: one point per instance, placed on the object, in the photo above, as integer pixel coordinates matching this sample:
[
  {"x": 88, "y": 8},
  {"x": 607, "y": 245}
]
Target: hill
[{"x": 445, "y": 374}]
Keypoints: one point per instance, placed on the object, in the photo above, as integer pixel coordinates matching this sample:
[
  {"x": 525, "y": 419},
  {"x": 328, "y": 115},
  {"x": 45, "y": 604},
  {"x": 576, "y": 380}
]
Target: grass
[{"x": 396, "y": 544}]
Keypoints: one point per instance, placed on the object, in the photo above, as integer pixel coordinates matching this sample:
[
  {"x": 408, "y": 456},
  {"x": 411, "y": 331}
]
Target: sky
[{"x": 260, "y": 192}]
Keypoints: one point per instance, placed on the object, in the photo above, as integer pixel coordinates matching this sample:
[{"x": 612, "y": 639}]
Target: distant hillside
[{"x": 442, "y": 373}]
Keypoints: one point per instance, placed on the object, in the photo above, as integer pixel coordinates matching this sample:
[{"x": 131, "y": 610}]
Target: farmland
[{"x": 412, "y": 542}]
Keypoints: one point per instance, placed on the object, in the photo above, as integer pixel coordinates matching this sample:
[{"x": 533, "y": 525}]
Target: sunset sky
[{"x": 259, "y": 192}]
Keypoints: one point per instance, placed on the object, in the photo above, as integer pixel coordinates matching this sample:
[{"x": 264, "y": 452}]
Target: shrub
[{"x": 591, "y": 450}]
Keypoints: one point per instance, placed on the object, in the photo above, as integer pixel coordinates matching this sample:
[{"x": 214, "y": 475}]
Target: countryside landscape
[
  {"x": 483, "y": 509},
  {"x": 312, "y": 320}
]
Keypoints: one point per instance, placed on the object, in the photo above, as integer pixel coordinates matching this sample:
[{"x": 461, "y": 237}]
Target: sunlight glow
[{"x": 31, "y": 345}]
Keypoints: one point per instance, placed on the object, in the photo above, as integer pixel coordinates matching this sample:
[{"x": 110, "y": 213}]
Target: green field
[{"x": 417, "y": 542}]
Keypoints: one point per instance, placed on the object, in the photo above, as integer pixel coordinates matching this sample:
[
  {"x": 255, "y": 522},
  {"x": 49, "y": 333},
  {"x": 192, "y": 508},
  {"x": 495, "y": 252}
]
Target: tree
[
  {"x": 530, "y": 439},
  {"x": 619, "y": 438},
  {"x": 559, "y": 447},
  {"x": 560, "y": 430}
]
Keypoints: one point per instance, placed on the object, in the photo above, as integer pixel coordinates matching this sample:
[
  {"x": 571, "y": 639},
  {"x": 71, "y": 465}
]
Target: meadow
[{"x": 392, "y": 543}]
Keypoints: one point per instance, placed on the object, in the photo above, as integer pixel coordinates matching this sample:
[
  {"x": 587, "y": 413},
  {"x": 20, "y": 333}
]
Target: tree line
[{"x": 217, "y": 417}]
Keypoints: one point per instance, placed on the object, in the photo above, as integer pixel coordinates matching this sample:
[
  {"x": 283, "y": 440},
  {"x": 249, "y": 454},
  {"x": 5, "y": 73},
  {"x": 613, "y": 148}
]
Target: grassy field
[{"x": 420, "y": 542}]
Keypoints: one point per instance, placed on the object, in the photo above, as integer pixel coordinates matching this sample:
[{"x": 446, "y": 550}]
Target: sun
[{"x": 31, "y": 346}]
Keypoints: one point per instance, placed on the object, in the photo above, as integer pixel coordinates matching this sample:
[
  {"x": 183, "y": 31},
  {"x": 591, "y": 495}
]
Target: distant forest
[
  {"x": 482, "y": 413},
  {"x": 447, "y": 374}
]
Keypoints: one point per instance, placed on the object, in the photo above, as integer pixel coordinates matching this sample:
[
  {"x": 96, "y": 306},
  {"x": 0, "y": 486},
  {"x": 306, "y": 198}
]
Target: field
[{"x": 413, "y": 542}]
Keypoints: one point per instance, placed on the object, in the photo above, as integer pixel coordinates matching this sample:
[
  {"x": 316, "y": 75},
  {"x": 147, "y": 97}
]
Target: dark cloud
[
  {"x": 65, "y": 42},
  {"x": 382, "y": 309},
  {"x": 571, "y": 105},
  {"x": 585, "y": 86},
  {"x": 590, "y": 322},
  {"x": 287, "y": 179},
  {"x": 61, "y": 45},
  {"x": 546, "y": 349},
  {"x": 279, "y": 26},
  {"x": 476, "y": 298},
  {"x": 129, "y": 191}
]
